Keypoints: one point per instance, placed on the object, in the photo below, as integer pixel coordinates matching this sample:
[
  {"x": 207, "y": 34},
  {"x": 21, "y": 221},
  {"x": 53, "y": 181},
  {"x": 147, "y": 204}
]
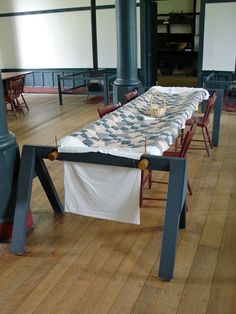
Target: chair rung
[
  {"x": 196, "y": 147},
  {"x": 194, "y": 140},
  {"x": 154, "y": 199},
  {"x": 161, "y": 182}
]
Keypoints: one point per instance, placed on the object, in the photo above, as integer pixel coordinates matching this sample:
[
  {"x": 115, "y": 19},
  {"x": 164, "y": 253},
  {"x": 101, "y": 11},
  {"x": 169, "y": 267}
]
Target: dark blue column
[
  {"x": 9, "y": 161},
  {"x": 148, "y": 29},
  {"x": 126, "y": 29}
]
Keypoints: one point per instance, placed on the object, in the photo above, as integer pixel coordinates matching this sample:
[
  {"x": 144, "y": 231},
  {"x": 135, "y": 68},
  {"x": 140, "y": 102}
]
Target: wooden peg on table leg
[
  {"x": 55, "y": 154},
  {"x": 143, "y": 164}
]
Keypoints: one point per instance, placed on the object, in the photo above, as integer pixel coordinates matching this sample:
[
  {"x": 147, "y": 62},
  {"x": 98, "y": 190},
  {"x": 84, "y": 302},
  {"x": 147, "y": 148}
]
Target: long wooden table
[{"x": 9, "y": 75}]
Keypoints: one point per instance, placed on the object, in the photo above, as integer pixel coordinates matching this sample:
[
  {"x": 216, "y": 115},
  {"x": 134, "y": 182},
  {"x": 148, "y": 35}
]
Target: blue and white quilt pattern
[{"x": 123, "y": 132}]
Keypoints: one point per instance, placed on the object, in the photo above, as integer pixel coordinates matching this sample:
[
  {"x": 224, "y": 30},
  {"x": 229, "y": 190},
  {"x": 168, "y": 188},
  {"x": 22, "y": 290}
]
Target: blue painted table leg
[
  {"x": 106, "y": 89},
  {"x": 182, "y": 222},
  {"x": 48, "y": 186},
  {"x": 24, "y": 188},
  {"x": 177, "y": 189},
  {"x": 217, "y": 115}
]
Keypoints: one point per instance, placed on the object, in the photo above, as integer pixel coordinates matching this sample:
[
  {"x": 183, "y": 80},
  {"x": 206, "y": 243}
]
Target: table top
[
  {"x": 125, "y": 131},
  {"x": 9, "y": 75}
]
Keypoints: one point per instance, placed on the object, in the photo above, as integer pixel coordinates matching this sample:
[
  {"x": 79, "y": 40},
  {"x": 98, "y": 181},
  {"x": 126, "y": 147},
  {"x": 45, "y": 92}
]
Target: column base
[
  {"x": 119, "y": 90},
  {"x": 6, "y": 228}
]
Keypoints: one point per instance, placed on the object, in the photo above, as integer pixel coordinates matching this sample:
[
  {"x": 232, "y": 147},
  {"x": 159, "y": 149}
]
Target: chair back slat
[
  {"x": 107, "y": 109},
  {"x": 209, "y": 108},
  {"x": 131, "y": 95},
  {"x": 15, "y": 89},
  {"x": 187, "y": 140}
]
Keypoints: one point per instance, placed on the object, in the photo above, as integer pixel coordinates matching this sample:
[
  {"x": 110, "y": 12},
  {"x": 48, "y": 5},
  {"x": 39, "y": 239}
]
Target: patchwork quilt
[{"x": 124, "y": 131}]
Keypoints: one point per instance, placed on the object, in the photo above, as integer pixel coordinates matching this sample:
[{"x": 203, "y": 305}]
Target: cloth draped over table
[
  {"x": 107, "y": 192},
  {"x": 88, "y": 187}
]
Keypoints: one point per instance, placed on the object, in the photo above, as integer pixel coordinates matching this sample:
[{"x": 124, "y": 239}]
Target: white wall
[
  {"x": 1, "y": 62},
  {"x": 106, "y": 36},
  {"x": 105, "y": 2},
  {"x": 57, "y": 40},
  {"x": 219, "y": 47},
  {"x": 8, "y": 6}
]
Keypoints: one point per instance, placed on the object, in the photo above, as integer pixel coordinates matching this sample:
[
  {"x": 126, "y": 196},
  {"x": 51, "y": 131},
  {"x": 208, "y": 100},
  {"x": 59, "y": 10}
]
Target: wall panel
[
  {"x": 219, "y": 45},
  {"x": 55, "y": 40}
]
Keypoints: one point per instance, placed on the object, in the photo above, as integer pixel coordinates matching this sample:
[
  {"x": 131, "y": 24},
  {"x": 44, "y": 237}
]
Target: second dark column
[{"x": 126, "y": 29}]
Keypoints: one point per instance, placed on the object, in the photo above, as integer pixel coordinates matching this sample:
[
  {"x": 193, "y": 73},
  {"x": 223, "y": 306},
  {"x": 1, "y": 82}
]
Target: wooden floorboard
[{"x": 77, "y": 264}]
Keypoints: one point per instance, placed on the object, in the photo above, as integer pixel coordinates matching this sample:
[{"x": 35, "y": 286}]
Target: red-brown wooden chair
[
  {"x": 131, "y": 95},
  {"x": 107, "y": 109},
  {"x": 203, "y": 123},
  {"x": 21, "y": 93},
  {"x": 12, "y": 97},
  {"x": 182, "y": 153}
]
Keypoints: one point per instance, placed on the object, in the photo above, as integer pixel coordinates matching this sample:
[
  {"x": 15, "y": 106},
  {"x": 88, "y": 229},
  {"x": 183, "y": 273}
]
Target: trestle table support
[{"x": 32, "y": 164}]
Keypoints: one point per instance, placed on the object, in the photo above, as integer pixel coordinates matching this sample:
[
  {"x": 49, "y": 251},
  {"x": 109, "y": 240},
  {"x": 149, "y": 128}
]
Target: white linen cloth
[
  {"x": 99, "y": 191},
  {"x": 179, "y": 90}
]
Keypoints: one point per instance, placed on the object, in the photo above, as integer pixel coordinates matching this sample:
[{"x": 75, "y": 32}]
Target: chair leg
[
  {"x": 182, "y": 136},
  {"x": 18, "y": 106},
  {"x": 149, "y": 179},
  {"x": 176, "y": 143},
  {"x": 141, "y": 189},
  {"x": 13, "y": 108},
  {"x": 189, "y": 188},
  {"x": 205, "y": 142},
  {"x": 24, "y": 102},
  {"x": 208, "y": 136}
]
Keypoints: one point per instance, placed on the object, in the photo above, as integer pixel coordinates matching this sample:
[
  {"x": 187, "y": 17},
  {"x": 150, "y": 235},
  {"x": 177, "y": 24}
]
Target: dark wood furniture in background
[
  {"x": 13, "y": 84},
  {"x": 176, "y": 50},
  {"x": 89, "y": 82}
]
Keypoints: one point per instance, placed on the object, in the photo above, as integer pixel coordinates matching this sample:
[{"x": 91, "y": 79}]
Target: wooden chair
[
  {"x": 107, "y": 109},
  {"x": 203, "y": 123},
  {"x": 12, "y": 97},
  {"x": 21, "y": 93},
  {"x": 131, "y": 95},
  {"x": 182, "y": 153}
]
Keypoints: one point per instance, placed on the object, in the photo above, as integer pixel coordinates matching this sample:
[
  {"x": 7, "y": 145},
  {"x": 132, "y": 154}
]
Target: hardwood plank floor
[{"x": 77, "y": 264}]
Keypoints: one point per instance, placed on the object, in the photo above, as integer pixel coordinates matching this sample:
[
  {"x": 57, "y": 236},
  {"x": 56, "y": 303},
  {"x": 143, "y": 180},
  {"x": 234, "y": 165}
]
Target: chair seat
[
  {"x": 171, "y": 154},
  {"x": 199, "y": 121}
]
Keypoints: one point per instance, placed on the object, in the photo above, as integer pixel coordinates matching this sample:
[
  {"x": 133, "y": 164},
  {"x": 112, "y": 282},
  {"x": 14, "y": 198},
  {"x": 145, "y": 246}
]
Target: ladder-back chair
[
  {"x": 203, "y": 123},
  {"x": 12, "y": 97},
  {"x": 131, "y": 95},
  {"x": 182, "y": 153},
  {"x": 22, "y": 91},
  {"x": 107, "y": 109}
]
